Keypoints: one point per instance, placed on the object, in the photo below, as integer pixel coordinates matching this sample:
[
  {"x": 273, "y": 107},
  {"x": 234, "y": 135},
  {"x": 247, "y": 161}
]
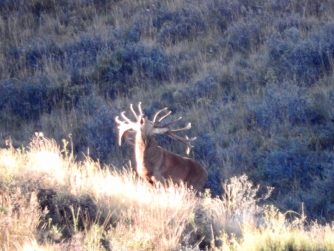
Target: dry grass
[
  {"x": 279, "y": 234},
  {"x": 148, "y": 216},
  {"x": 132, "y": 215},
  {"x": 19, "y": 218}
]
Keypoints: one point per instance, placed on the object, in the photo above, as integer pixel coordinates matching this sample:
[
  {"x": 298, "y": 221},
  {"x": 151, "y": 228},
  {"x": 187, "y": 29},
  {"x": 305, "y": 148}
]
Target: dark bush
[
  {"x": 294, "y": 165},
  {"x": 305, "y": 61},
  {"x": 133, "y": 65},
  {"x": 182, "y": 65},
  {"x": 243, "y": 77},
  {"x": 288, "y": 103},
  {"x": 168, "y": 98},
  {"x": 222, "y": 13},
  {"x": 291, "y": 22},
  {"x": 281, "y": 104},
  {"x": 7, "y": 6},
  {"x": 302, "y": 8},
  {"x": 98, "y": 134},
  {"x": 299, "y": 176},
  {"x": 90, "y": 104},
  {"x": 78, "y": 78},
  {"x": 325, "y": 188},
  {"x": 37, "y": 8},
  {"x": 205, "y": 149},
  {"x": 40, "y": 7},
  {"x": 324, "y": 137},
  {"x": 242, "y": 37},
  {"x": 82, "y": 53},
  {"x": 59, "y": 210},
  {"x": 292, "y": 34},
  {"x": 28, "y": 99},
  {"x": 34, "y": 58},
  {"x": 39, "y": 51},
  {"x": 14, "y": 63},
  {"x": 134, "y": 34},
  {"x": 177, "y": 26},
  {"x": 74, "y": 55},
  {"x": 214, "y": 181},
  {"x": 205, "y": 152},
  {"x": 207, "y": 87},
  {"x": 13, "y": 53},
  {"x": 280, "y": 6},
  {"x": 238, "y": 154}
]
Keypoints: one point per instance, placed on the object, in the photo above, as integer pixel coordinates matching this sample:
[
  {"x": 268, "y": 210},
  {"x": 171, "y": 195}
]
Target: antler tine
[
  {"x": 126, "y": 118},
  {"x": 133, "y": 111},
  {"x": 118, "y": 121},
  {"x": 187, "y": 127},
  {"x": 123, "y": 126},
  {"x": 140, "y": 109},
  {"x": 172, "y": 122},
  {"x": 187, "y": 141},
  {"x": 189, "y": 145},
  {"x": 157, "y": 114},
  {"x": 165, "y": 116}
]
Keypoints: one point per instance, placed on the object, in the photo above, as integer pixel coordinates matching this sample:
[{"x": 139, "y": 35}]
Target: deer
[{"x": 154, "y": 163}]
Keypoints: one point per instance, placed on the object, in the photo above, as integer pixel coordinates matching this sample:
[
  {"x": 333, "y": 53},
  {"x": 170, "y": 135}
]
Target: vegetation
[
  {"x": 255, "y": 78},
  {"x": 49, "y": 201}
]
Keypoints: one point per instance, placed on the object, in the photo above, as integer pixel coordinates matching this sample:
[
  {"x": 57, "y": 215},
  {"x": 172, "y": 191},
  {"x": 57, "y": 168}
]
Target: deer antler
[
  {"x": 172, "y": 122},
  {"x": 165, "y": 129},
  {"x": 137, "y": 116},
  {"x": 155, "y": 118},
  {"x": 126, "y": 124},
  {"x": 187, "y": 127},
  {"x": 123, "y": 126},
  {"x": 186, "y": 140}
]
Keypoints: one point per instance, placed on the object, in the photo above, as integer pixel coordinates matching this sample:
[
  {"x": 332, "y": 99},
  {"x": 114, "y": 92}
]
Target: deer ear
[
  {"x": 160, "y": 130},
  {"x": 142, "y": 121}
]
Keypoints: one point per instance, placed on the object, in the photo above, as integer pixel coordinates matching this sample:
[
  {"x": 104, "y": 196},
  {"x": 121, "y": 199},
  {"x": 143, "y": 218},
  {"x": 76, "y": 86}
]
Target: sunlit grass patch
[
  {"x": 50, "y": 201},
  {"x": 278, "y": 233},
  {"x": 19, "y": 218},
  {"x": 157, "y": 216}
]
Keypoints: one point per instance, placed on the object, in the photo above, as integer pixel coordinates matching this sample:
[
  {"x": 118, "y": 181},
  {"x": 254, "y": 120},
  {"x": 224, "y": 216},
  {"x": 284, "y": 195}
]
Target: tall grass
[
  {"x": 50, "y": 201},
  {"x": 146, "y": 216}
]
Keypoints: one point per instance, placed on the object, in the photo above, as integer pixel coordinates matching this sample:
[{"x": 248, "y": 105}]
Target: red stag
[{"x": 154, "y": 163}]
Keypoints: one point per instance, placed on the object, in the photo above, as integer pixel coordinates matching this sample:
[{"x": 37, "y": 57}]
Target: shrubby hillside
[{"x": 255, "y": 78}]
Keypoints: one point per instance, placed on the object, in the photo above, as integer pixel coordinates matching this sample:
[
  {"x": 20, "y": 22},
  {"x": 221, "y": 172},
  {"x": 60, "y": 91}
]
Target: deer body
[{"x": 156, "y": 164}]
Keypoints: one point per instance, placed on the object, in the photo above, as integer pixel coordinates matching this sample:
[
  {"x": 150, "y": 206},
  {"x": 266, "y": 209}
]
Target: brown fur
[{"x": 156, "y": 164}]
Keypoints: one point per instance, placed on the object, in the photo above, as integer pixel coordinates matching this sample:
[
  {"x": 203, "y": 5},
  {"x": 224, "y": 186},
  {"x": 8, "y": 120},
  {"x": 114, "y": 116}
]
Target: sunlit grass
[
  {"x": 19, "y": 217},
  {"x": 126, "y": 213},
  {"x": 159, "y": 213},
  {"x": 279, "y": 234}
]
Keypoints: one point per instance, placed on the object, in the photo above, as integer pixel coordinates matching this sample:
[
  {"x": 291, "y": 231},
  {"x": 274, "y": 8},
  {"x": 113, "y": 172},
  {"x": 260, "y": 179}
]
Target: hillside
[{"x": 255, "y": 78}]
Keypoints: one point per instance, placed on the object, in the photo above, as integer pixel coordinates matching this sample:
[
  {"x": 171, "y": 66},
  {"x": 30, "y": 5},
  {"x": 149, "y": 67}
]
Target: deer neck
[{"x": 146, "y": 153}]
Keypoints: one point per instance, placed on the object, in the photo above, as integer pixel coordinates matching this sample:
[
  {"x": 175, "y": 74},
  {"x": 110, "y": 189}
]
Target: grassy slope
[
  {"x": 254, "y": 77},
  {"x": 48, "y": 201}
]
